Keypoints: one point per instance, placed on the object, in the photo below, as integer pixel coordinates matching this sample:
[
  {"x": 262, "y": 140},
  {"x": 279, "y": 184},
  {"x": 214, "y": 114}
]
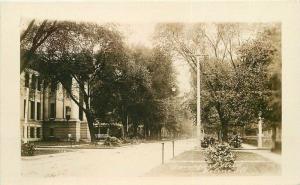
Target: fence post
[
  {"x": 173, "y": 142},
  {"x": 162, "y": 152}
]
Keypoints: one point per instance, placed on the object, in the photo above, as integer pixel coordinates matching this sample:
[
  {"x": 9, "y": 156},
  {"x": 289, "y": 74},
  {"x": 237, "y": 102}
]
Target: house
[{"x": 47, "y": 111}]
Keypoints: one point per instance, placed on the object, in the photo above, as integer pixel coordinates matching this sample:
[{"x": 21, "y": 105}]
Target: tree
[
  {"x": 33, "y": 37},
  {"x": 124, "y": 90},
  {"x": 80, "y": 51},
  {"x": 264, "y": 57},
  {"x": 150, "y": 79},
  {"x": 190, "y": 41},
  {"x": 229, "y": 89}
]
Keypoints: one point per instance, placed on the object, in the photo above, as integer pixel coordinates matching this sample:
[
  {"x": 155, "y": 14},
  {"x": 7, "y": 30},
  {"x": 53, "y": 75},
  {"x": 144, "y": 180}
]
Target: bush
[
  {"x": 220, "y": 158},
  {"x": 27, "y": 149},
  {"x": 207, "y": 141},
  {"x": 112, "y": 141},
  {"x": 133, "y": 140},
  {"x": 236, "y": 141},
  {"x": 125, "y": 140}
]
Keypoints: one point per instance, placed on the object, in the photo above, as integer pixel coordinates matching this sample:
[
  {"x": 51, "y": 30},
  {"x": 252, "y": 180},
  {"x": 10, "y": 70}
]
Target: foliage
[
  {"x": 75, "y": 57},
  {"x": 112, "y": 141},
  {"x": 31, "y": 39},
  {"x": 114, "y": 82},
  {"x": 220, "y": 158},
  {"x": 240, "y": 78},
  {"x": 236, "y": 141},
  {"x": 27, "y": 149},
  {"x": 207, "y": 141}
]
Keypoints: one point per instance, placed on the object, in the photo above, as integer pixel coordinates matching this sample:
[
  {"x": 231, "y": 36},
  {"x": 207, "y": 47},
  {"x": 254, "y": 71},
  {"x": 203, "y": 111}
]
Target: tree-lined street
[{"x": 123, "y": 93}]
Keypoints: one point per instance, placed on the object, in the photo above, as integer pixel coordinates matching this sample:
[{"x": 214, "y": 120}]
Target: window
[
  {"x": 67, "y": 112},
  {"x": 51, "y": 131},
  {"x": 24, "y": 108},
  {"x": 32, "y": 110},
  {"x": 26, "y": 80},
  {"x": 53, "y": 86},
  {"x": 28, "y": 129},
  {"x": 38, "y": 132},
  {"x": 33, "y": 82},
  {"x": 80, "y": 114},
  {"x": 38, "y": 110},
  {"x": 39, "y": 83},
  {"x": 80, "y": 109},
  {"x": 68, "y": 86},
  {"x": 52, "y": 110},
  {"x": 31, "y": 132},
  {"x": 69, "y": 83},
  {"x": 67, "y": 94}
]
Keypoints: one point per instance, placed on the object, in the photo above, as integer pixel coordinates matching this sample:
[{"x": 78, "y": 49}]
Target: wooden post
[
  {"x": 198, "y": 132},
  {"x": 173, "y": 142},
  {"x": 162, "y": 153},
  {"x": 260, "y": 134}
]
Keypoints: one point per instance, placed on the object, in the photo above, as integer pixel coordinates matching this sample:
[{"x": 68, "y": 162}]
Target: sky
[{"x": 141, "y": 34}]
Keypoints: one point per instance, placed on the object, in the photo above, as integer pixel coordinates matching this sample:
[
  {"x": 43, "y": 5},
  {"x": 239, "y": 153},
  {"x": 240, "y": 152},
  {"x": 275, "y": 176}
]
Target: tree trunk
[
  {"x": 159, "y": 133},
  {"x": 273, "y": 147},
  {"x": 90, "y": 120},
  {"x": 224, "y": 129},
  {"x": 145, "y": 131}
]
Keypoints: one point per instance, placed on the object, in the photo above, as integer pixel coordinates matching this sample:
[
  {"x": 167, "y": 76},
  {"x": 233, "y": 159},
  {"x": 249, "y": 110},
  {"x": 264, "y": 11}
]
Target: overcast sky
[{"x": 141, "y": 34}]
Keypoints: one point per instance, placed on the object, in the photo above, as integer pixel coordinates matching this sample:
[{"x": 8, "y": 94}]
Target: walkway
[{"x": 276, "y": 158}]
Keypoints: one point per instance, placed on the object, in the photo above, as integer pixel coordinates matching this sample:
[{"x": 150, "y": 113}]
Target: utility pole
[
  {"x": 260, "y": 133},
  {"x": 199, "y": 132},
  {"x": 198, "y": 104}
]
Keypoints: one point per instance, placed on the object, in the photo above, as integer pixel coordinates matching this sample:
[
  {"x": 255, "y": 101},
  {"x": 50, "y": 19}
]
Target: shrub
[
  {"x": 125, "y": 140},
  {"x": 27, "y": 149},
  {"x": 133, "y": 140},
  {"x": 220, "y": 158},
  {"x": 207, "y": 141},
  {"x": 112, "y": 141},
  {"x": 236, "y": 141}
]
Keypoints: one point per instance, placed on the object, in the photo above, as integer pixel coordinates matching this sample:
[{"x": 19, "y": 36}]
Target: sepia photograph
[
  {"x": 149, "y": 93},
  {"x": 161, "y": 99}
]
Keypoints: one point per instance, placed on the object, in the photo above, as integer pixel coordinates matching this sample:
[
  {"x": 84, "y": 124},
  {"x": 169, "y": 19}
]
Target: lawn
[
  {"x": 50, "y": 151},
  {"x": 192, "y": 163},
  {"x": 56, "y": 143}
]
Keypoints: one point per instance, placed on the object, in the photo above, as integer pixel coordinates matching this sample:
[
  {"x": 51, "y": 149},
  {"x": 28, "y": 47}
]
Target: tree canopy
[
  {"x": 237, "y": 75},
  {"x": 107, "y": 79}
]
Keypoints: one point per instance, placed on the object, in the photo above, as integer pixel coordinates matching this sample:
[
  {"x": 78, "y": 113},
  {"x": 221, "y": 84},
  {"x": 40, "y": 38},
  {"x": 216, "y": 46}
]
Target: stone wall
[
  {"x": 84, "y": 132},
  {"x": 59, "y": 130}
]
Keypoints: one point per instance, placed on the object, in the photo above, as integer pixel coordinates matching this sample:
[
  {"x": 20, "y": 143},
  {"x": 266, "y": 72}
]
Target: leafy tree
[
  {"x": 234, "y": 80},
  {"x": 264, "y": 57},
  {"x": 80, "y": 51},
  {"x": 33, "y": 37},
  {"x": 157, "y": 103}
]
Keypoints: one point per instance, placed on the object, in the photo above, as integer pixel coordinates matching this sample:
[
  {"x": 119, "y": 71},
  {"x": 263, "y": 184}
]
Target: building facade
[{"x": 48, "y": 112}]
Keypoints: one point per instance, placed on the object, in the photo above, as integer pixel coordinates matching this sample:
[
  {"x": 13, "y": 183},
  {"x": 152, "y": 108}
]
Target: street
[{"x": 127, "y": 161}]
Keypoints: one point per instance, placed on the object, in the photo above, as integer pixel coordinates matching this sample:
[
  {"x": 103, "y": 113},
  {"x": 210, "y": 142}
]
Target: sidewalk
[
  {"x": 250, "y": 161},
  {"x": 276, "y": 158}
]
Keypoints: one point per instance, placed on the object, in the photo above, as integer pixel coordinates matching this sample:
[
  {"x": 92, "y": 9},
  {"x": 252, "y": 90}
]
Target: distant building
[{"x": 47, "y": 111}]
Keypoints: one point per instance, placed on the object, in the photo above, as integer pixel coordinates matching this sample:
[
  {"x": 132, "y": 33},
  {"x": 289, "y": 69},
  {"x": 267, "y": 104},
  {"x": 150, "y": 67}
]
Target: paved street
[{"x": 128, "y": 161}]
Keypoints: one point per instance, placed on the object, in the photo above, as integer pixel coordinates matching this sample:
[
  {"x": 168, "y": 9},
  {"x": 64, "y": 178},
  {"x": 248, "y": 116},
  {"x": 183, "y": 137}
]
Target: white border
[{"x": 126, "y": 12}]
